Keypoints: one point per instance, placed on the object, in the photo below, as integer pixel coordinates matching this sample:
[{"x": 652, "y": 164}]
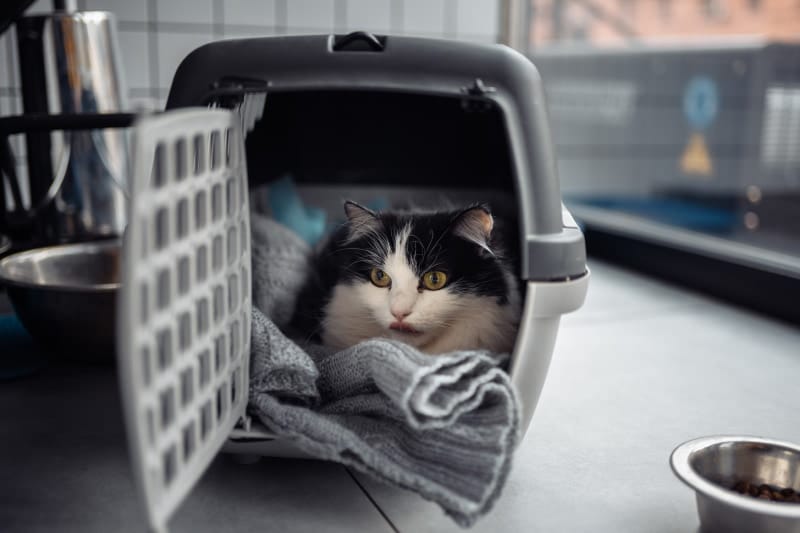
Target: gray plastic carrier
[{"x": 184, "y": 318}]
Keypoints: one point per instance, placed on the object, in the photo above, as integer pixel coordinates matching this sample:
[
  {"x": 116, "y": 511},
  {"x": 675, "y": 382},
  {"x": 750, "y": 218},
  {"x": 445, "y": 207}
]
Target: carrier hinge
[
  {"x": 478, "y": 88},
  {"x": 475, "y": 96}
]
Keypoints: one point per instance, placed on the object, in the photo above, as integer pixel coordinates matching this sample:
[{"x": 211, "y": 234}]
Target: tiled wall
[{"x": 155, "y": 35}]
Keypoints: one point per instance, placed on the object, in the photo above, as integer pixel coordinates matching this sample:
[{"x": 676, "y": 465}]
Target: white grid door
[{"x": 184, "y": 310}]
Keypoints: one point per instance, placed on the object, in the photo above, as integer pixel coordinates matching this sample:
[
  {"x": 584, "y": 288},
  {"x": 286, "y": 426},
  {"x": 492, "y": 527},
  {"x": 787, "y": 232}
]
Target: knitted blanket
[{"x": 444, "y": 426}]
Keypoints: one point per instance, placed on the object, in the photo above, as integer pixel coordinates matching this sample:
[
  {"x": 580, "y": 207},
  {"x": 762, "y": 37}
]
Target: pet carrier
[{"x": 342, "y": 114}]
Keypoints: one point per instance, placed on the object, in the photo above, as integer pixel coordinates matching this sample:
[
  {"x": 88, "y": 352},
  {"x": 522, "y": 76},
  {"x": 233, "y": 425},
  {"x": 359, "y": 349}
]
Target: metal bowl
[
  {"x": 712, "y": 465},
  {"x": 65, "y": 296}
]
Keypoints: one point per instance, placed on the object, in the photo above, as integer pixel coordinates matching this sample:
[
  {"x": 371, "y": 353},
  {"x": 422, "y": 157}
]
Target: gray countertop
[{"x": 641, "y": 368}]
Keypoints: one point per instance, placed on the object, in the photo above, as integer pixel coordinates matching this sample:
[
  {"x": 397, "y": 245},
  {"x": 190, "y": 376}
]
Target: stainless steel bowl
[
  {"x": 711, "y": 465},
  {"x": 65, "y": 296}
]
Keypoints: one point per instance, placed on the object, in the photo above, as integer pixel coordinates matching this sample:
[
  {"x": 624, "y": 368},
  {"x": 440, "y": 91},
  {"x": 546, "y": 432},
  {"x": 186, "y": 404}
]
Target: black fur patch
[{"x": 432, "y": 245}]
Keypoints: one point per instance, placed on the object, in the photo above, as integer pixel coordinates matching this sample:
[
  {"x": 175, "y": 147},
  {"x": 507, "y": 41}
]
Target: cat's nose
[{"x": 400, "y": 314}]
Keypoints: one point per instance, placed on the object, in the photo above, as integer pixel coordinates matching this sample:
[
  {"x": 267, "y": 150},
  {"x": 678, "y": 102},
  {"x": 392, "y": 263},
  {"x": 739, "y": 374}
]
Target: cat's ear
[
  {"x": 361, "y": 221},
  {"x": 475, "y": 225}
]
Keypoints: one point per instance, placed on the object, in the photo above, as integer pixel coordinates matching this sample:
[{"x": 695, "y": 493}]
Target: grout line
[
  {"x": 11, "y": 35},
  {"x": 396, "y": 24},
  {"x": 152, "y": 46},
  {"x": 281, "y": 17},
  {"x": 218, "y": 20},
  {"x": 450, "y": 29},
  {"x": 140, "y": 92},
  {"x": 169, "y": 26},
  {"x": 236, "y": 30},
  {"x": 233, "y": 29},
  {"x": 339, "y": 16},
  {"x": 372, "y": 500},
  {"x": 133, "y": 25}
]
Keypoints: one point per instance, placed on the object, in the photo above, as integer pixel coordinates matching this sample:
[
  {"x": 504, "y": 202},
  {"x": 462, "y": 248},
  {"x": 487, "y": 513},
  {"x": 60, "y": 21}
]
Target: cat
[{"x": 438, "y": 281}]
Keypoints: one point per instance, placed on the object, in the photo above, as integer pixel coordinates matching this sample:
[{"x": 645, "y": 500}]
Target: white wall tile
[
  {"x": 125, "y": 10},
  {"x": 172, "y": 49},
  {"x": 478, "y": 17},
  {"x": 424, "y": 17},
  {"x": 135, "y": 64},
  {"x": 195, "y": 11},
  {"x": 249, "y": 12},
  {"x": 369, "y": 15},
  {"x": 310, "y": 15}
]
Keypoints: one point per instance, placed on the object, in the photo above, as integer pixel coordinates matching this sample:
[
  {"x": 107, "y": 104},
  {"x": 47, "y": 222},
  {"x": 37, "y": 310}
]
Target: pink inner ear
[
  {"x": 486, "y": 221},
  {"x": 475, "y": 225}
]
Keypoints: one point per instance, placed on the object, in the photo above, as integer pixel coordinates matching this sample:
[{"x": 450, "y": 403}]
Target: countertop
[{"x": 641, "y": 368}]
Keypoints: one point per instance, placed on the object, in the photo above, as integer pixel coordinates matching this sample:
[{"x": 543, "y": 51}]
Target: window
[
  {"x": 712, "y": 9},
  {"x": 664, "y": 9},
  {"x": 648, "y": 120}
]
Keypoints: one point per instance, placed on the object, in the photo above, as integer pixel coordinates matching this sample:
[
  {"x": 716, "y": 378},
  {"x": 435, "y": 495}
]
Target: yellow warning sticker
[{"x": 696, "y": 159}]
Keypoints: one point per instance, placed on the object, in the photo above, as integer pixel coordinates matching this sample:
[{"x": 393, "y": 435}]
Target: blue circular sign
[{"x": 701, "y": 102}]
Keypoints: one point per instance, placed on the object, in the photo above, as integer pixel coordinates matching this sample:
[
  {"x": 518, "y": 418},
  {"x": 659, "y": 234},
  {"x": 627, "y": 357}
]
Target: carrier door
[{"x": 183, "y": 327}]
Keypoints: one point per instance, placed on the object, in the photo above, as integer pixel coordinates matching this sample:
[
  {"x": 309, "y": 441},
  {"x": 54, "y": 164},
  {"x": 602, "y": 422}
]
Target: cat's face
[{"x": 413, "y": 277}]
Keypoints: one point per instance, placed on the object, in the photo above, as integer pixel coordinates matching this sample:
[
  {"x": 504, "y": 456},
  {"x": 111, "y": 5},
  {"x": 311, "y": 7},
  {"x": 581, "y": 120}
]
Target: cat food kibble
[{"x": 767, "y": 492}]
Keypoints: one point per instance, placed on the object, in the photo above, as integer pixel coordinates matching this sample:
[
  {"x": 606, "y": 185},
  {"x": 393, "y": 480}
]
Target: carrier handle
[{"x": 342, "y": 43}]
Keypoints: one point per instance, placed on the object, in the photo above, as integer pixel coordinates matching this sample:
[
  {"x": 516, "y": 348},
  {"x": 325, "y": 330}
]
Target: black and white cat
[{"x": 436, "y": 280}]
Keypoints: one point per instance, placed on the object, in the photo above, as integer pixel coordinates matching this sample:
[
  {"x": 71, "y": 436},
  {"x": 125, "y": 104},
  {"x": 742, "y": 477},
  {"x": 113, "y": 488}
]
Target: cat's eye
[
  {"x": 379, "y": 278},
  {"x": 434, "y": 280}
]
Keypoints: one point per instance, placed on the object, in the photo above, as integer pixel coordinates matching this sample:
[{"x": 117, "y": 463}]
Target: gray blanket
[{"x": 444, "y": 426}]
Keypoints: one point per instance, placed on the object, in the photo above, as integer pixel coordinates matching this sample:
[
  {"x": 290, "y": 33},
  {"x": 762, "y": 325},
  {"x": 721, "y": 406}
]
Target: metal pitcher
[{"x": 70, "y": 67}]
